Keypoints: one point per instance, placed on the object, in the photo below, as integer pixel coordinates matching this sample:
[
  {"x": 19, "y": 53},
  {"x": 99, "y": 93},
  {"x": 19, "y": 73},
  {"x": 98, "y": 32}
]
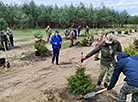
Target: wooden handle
[
  {"x": 5, "y": 50},
  {"x": 106, "y": 88},
  {"x": 102, "y": 90}
]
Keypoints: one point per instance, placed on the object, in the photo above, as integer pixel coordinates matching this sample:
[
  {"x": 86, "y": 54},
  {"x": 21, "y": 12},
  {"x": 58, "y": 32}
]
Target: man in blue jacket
[
  {"x": 79, "y": 29},
  {"x": 56, "y": 41},
  {"x": 129, "y": 66}
]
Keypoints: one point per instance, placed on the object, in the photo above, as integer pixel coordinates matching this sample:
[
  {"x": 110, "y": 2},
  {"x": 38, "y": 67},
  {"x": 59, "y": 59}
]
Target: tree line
[{"x": 30, "y": 15}]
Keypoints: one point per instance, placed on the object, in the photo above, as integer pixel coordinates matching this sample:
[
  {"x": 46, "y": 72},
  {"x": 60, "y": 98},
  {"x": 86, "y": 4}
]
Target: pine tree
[{"x": 80, "y": 82}]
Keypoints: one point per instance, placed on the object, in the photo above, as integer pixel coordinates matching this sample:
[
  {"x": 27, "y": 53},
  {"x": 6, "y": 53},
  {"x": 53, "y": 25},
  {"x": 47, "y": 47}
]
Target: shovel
[
  {"x": 8, "y": 63},
  {"x": 92, "y": 94}
]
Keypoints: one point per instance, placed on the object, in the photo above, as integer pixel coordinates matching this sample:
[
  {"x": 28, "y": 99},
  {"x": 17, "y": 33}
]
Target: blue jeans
[
  {"x": 55, "y": 54},
  {"x": 11, "y": 41},
  {"x": 78, "y": 32}
]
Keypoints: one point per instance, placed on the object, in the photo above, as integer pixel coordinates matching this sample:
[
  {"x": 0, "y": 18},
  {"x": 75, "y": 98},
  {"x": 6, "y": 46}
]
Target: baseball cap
[
  {"x": 109, "y": 38},
  {"x": 57, "y": 31},
  {"x": 103, "y": 32}
]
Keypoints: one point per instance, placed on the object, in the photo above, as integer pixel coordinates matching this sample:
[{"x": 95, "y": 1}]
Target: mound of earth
[
  {"x": 64, "y": 95},
  {"x": 33, "y": 58}
]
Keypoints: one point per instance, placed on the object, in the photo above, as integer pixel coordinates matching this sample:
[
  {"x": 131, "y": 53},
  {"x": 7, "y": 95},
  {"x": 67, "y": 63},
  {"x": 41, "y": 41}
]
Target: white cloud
[{"x": 119, "y": 5}]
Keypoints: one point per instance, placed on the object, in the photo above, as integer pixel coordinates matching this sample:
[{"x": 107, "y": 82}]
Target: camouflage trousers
[
  {"x": 105, "y": 70},
  {"x": 127, "y": 89}
]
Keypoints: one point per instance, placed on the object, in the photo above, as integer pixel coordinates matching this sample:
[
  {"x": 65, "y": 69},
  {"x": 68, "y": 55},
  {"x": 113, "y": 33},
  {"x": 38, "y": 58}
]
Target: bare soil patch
[{"x": 33, "y": 58}]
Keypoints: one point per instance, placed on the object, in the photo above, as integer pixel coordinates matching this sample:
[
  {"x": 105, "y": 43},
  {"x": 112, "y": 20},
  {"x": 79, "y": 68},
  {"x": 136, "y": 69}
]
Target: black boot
[
  {"x": 98, "y": 84},
  {"x": 105, "y": 85}
]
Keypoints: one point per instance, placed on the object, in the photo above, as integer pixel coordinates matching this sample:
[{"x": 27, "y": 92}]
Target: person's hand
[
  {"x": 55, "y": 43},
  {"x": 83, "y": 59},
  {"x": 60, "y": 43}
]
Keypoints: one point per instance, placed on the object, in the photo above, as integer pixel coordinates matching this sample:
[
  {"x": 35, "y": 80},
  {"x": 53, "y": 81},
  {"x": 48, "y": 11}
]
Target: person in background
[
  {"x": 10, "y": 34},
  {"x": 112, "y": 32},
  {"x": 3, "y": 38},
  {"x": 72, "y": 37},
  {"x": 48, "y": 31},
  {"x": 128, "y": 65},
  {"x": 98, "y": 40},
  {"x": 66, "y": 32},
  {"x": 89, "y": 39},
  {"x": 56, "y": 41},
  {"x": 87, "y": 30},
  {"x": 108, "y": 49},
  {"x": 79, "y": 29}
]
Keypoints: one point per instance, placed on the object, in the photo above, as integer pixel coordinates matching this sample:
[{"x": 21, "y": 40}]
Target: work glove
[{"x": 84, "y": 58}]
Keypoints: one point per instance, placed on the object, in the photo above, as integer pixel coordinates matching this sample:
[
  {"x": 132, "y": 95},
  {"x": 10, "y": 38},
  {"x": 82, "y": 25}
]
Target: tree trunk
[
  {"x": 93, "y": 25},
  {"x": 100, "y": 25}
]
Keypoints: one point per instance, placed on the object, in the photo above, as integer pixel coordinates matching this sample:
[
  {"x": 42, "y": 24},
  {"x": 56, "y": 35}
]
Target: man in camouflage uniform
[
  {"x": 87, "y": 30},
  {"x": 3, "y": 38},
  {"x": 128, "y": 65},
  {"x": 108, "y": 48},
  {"x": 48, "y": 30},
  {"x": 98, "y": 40}
]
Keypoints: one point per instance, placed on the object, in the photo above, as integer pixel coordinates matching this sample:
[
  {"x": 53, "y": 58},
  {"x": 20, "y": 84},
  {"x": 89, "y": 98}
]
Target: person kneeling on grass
[
  {"x": 56, "y": 41},
  {"x": 128, "y": 65},
  {"x": 108, "y": 49}
]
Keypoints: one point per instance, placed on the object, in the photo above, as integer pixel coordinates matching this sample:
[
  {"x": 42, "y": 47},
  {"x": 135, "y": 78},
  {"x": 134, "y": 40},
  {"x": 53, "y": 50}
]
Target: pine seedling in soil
[
  {"x": 80, "y": 82},
  {"x": 84, "y": 41}
]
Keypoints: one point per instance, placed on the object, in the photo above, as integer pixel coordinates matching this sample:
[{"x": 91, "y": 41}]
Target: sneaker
[
  {"x": 105, "y": 85},
  {"x": 52, "y": 62},
  {"x": 98, "y": 84},
  {"x": 97, "y": 59},
  {"x": 57, "y": 63}
]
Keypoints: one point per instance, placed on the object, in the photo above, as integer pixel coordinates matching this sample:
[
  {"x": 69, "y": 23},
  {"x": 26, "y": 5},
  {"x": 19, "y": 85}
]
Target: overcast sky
[{"x": 119, "y": 5}]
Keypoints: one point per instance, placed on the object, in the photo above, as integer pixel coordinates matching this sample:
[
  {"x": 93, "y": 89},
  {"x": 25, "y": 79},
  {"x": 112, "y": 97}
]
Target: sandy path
[{"x": 27, "y": 82}]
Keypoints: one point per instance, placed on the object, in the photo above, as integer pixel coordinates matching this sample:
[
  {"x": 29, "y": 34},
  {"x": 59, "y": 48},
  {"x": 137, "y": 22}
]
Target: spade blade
[{"x": 91, "y": 94}]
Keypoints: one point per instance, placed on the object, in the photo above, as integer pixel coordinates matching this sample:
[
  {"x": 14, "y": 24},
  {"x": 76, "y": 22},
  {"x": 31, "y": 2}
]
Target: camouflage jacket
[
  {"x": 107, "y": 52},
  {"x": 48, "y": 30}
]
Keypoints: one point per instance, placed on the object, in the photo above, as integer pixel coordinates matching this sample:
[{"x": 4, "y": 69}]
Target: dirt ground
[{"x": 40, "y": 81}]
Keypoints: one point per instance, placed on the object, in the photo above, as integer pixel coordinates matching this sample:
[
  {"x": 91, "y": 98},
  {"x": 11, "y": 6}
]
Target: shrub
[
  {"x": 38, "y": 35},
  {"x": 107, "y": 32},
  {"x": 84, "y": 41},
  {"x": 80, "y": 82},
  {"x": 91, "y": 34},
  {"x": 130, "y": 50},
  {"x": 103, "y": 29},
  {"x": 135, "y": 29},
  {"x": 130, "y": 30},
  {"x": 96, "y": 30},
  {"x": 126, "y": 31},
  {"x": 119, "y": 31},
  {"x": 14, "y": 27},
  {"x": 40, "y": 46},
  {"x": 135, "y": 42}
]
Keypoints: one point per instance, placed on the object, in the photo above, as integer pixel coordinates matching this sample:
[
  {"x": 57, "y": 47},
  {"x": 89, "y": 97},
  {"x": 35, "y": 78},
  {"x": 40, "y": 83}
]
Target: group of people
[
  {"x": 112, "y": 63},
  {"x": 4, "y": 39}
]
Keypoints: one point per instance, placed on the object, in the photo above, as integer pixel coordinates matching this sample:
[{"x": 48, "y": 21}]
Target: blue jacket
[
  {"x": 79, "y": 28},
  {"x": 57, "y": 40},
  {"x": 129, "y": 66}
]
